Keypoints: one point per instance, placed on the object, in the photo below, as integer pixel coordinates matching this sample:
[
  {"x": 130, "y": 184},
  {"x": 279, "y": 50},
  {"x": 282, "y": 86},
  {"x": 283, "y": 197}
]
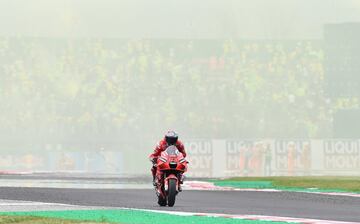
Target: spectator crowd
[{"x": 54, "y": 89}]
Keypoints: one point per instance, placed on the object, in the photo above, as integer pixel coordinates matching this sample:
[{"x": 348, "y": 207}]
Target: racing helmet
[{"x": 171, "y": 137}]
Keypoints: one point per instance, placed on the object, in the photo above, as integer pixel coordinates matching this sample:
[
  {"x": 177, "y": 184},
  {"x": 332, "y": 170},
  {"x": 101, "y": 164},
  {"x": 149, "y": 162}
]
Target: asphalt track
[{"x": 286, "y": 204}]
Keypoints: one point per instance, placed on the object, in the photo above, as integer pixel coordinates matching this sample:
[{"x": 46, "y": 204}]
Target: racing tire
[
  {"x": 172, "y": 192},
  {"x": 161, "y": 201}
]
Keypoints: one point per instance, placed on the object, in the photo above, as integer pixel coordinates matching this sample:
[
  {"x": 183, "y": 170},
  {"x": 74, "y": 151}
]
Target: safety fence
[
  {"x": 208, "y": 158},
  {"x": 225, "y": 158}
]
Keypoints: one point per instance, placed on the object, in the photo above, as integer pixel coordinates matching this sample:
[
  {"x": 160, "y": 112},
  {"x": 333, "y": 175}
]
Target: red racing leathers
[{"x": 161, "y": 146}]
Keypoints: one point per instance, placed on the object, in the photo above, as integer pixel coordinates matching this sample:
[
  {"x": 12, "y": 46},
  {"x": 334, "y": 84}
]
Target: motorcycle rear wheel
[{"x": 161, "y": 201}]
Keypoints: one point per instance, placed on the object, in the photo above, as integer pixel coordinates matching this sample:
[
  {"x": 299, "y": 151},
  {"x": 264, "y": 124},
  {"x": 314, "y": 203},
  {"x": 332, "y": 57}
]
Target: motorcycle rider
[{"x": 170, "y": 138}]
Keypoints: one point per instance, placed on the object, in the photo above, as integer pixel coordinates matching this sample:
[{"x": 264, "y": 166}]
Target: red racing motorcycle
[{"x": 170, "y": 167}]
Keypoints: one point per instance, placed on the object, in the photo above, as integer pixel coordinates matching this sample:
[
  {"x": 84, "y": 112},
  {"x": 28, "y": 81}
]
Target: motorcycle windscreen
[{"x": 172, "y": 150}]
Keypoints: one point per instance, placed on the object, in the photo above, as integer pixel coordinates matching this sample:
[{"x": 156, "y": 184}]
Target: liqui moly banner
[
  {"x": 200, "y": 157},
  {"x": 274, "y": 157},
  {"x": 208, "y": 158},
  {"x": 341, "y": 155}
]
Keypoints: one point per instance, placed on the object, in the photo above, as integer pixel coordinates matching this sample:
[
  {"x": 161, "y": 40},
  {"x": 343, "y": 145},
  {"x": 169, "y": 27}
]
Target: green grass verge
[
  {"x": 38, "y": 220},
  {"x": 126, "y": 216},
  {"x": 326, "y": 183}
]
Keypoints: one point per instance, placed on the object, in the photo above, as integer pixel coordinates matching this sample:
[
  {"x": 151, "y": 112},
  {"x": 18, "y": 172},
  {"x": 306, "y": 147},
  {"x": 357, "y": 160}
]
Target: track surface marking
[{"x": 285, "y": 204}]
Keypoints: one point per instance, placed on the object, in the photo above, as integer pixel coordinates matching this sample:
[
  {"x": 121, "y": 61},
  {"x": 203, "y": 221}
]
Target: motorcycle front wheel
[{"x": 172, "y": 192}]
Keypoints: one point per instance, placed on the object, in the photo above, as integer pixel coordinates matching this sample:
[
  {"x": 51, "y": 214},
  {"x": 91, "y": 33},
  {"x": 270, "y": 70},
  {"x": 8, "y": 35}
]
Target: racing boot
[
  {"x": 153, "y": 172},
  {"x": 154, "y": 181},
  {"x": 181, "y": 181},
  {"x": 182, "y": 178},
  {"x": 158, "y": 180},
  {"x": 179, "y": 188}
]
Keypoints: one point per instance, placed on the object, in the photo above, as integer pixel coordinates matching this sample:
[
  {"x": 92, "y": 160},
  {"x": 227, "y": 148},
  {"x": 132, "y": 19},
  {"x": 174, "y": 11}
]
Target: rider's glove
[{"x": 153, "y": 160}]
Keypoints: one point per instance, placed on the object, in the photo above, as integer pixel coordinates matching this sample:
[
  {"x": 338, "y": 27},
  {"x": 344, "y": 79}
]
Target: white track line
[
  {"x": 17, "y": 206},
  {"x": 188, "y": 185},
  {"x": 252, "y": 217},
  {"x": 40, "y": 206},
  {"x": 202, "y": 185}
]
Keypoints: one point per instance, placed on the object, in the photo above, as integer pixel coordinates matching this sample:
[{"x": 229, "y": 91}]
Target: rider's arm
[
  {"x": 181, "y": 148},
  {"x": 156, "y": 153}
]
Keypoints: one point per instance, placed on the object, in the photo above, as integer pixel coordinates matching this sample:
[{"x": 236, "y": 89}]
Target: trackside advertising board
[
  {"x": 341, "y": 155},
  {"x": 274, "y": 157},
  {"x": 200, "y": 157},
  {"x": 208, "y": 158}
]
